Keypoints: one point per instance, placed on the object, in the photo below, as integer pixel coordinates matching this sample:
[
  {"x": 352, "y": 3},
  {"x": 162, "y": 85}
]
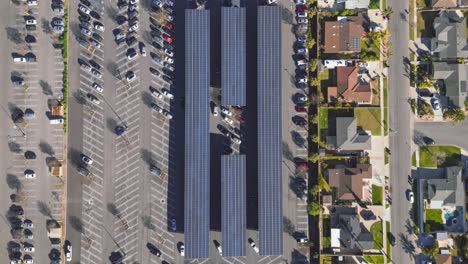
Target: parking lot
[
  {"x": 126, "y": 129},
  {"x": 32, "y": 85}
]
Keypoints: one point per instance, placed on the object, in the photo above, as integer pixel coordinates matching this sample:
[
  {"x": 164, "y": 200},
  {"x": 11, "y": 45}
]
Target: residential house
[
  {"x": 450, "y": 36},
  {"x": 354, "y": 4},
  {"x": 348, "y": 136},
  {"x": 349, "y": 183},
  {"x": 343, "y": 35},
  {"x": 350, "y": 87},
  {"x": 347, "y": 231},
  {"x": 453, "y": 78},
  {"x": 443, "y": 259},
  {"x": 444, "y": 3},
  {"x": 447, "y": 193}
]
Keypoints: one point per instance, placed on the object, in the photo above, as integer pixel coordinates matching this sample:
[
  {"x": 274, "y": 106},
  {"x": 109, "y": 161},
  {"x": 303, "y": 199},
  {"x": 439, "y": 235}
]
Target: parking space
[{"x": 34, "y": 68}]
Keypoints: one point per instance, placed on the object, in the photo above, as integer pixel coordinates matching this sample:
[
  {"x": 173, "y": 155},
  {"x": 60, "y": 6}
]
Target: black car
[
  {"x": 83, "y": 170},
  {"x": 130, "y": 41},
  {"x": 227, "y": 150},
  {"x": 155, "y": 72},
  {"x": 85, "y": 2},
  {"x": 29, "y": 155},
  {"x": 95, "y": 14},
  {"x": 299, "y": 121},
  {"x": 119, "y": 130},
  {"x": 95, "y": 64},
  {"x": 428, "y": 141},
  {"x": 132, "y": 14},
  {"x": 152, "y": 248},
  {"x": 156, "y": 45},
  {"x": 155, "y": 170},
  {"x": 120, "y": 19},
  {"x": 167, "y": 79},
  {"x": 122, "y": 4},
  {"x": 84, "y": 18},
  {"x": 168, "y": 72},
  {"x": 97, "y": 37}
]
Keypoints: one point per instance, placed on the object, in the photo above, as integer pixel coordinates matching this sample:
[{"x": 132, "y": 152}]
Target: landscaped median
[{"x": 64, "y": 43}]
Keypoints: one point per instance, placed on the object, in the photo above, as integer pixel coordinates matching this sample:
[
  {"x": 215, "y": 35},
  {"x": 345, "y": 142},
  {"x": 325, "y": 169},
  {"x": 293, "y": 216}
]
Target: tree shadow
[
  {"x": 298, "y": 139},
  {"x": 14, "y": 35},
  {"x": 46, "y": 89},
  {"x": 147, "y": 156},
  {"x": 407, "y": 245},
  {"x": 288, "y": 226},
  {"x": 113, "y": 210},
  {"x": 76, "y": 223},
  {"x": 46, "y": 28},
  {"x": 147, "y": 222},
  {"x": 44, "y": 209},
  {"x": 287, "y": 153},
  {"x": 46, "y": 148},
  {"x": 298, "y": 185},
  {"x": 13, "y": 182},
  {"x": 111, "y": 124},
  {"x": 74, "y": 156},
  {"x": 14, "y": 147},
  {"x": 112, "y": 13},
  {"x": 80, "y": 97},
  {"x": 287, "y": 15},
  {"x": 113, "y": 69}
]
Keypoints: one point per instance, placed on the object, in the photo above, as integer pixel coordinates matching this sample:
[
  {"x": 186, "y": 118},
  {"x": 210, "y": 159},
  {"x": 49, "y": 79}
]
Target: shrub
[{"x": 456, "y": 114}]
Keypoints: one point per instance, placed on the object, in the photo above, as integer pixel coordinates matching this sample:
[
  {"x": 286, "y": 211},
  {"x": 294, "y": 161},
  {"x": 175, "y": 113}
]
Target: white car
[
  {"x": 132, "y": 2},
  {"x": 167, "y": 94},
  {"x": 170, "y": 18},
  {"x": 19, "y": 59},
  {"x": 68, "y": 255},
  {"x": 302, "y": 14},
  {"x": 167, "y": 115},
  {"x": 86, "y": 160},
  {"x": 32, "y": 2},
  {"x": 58, "y": 29},
  {"x": 99, "y": 26},
  {"x": 411, "y": 197},
  {"x": 156, "y": 108},
  {"x": 133, "y": 27},
  {"x": 229, "y": 121},
  {"x": 236, "y": 140},
  {"x": 29, "y": 174},
  {"x": 29, "y": 249},
  {"x": 169, "y": 53},
  {"x": 93, "y": 98},
  {"x": 302, "y": 80},
  {"x": 271, "y": 1},
  {"x": 97, "y": 87},
  {"x": 28, "y": 261},
  {"x": 28, "y": 223},
  {"x": 182, "y": 250},
  {"x": 31, "y": 21},
  {"x": 226, "y": 111},
  {"x": 169, "y": 59},
  {"x": 300, "y": 2},
  {"x": 56, "y": 121},
  {"x": 130, "y": 76},
  {"x": 85, "y": 31},
  {"x": 252, "y": 244},
  {"x": 156, "y": 93},
  {"x": 59, "y": 11},
  {"x": 83, "y": 9},
  {"x": 301, "y": 62},
  {"x": 220, "y": 250}
]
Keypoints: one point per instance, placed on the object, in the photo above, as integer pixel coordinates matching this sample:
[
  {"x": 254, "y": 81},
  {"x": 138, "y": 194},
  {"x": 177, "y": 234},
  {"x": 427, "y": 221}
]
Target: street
[
  {"x": 401, "y": 126},
  {"x": 444, "y": 133}
]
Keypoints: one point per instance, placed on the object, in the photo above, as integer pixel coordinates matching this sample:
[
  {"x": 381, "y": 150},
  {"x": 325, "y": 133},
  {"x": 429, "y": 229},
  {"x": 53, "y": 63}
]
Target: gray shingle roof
[
  {"x": 353, "y": 234},
  {"x": 450, "y": 32},
  {"x": 455, "y": 77},
  {"x": 450, "y": 189},
  {"x": 354, "y": 4},
  {"x": 348, "y": 136}
]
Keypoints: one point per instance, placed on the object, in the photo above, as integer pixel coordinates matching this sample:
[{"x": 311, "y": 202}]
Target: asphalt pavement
[
  {"x": 444, "y": 133},
  {"x": 401, "y": 126}
]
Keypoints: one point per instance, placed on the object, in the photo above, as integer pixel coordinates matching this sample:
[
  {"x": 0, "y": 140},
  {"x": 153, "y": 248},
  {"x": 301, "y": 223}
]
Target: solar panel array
[
  {"x": 269, "y": 130},
  {"x": 233, "y": 80},
  {"x": 233, "y": 215},
  {"x": 197, "y": 137}
]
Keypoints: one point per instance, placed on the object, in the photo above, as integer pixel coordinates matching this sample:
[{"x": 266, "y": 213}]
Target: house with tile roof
[
  {"x": 444, "y": 3},
  {"x": 343, "y": 35},
  {"x": 348, "y": 183},
  {"x": 350, "y": 87}
]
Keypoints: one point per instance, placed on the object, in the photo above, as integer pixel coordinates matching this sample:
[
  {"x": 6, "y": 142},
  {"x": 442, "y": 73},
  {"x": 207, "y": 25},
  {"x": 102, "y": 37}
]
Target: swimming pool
[{"x": 449, "y": 217}]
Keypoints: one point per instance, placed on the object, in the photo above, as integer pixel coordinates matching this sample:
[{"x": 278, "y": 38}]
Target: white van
[{"x": 56, "y": 121}]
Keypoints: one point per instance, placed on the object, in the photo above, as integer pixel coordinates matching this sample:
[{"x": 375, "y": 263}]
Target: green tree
[
  {"x": 324, "y": 184},
  {"x": 456, "y": 114},
  {"x": 314, "y": 157},
  {"x": 314, "y": 82},
  {"x": 387, "y": 11},
  {"x": 313, "y": 65},
  {"x": 431, "y": 251},
  {"x": 314, "y": 119},
  {"x": 314, "y": 208},
  {"x": 315, "y": 138},
  {"x": 310, "y": 42},
  {"x": 425, "y": 85}
]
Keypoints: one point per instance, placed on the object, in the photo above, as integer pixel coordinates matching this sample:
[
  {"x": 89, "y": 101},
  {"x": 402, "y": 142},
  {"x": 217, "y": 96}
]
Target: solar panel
[
  {"x": 269, "y": 130},
  {"x": 233, "y": 197},
  {"x": 233, "y": 56},
  {"x": 355, "y": 43},
  {"x": 197, "y": 137}
]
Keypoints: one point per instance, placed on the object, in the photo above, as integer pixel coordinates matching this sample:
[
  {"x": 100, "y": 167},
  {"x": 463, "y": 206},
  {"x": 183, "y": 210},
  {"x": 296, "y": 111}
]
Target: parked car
[
  {"x": 167, "y": 93},
  {"x": 302, "y": 14},
  {"x": 130, "y": 76},
  {"x": 435, "y": 104},
  {"x": 131, "y": 54},
  {"x": 29, "y": 174},
  {"x": 182, "y": 249},
  {"x": 410, "y": 196},
  {"x": 99, "y": 26},
  {"x": 86, "y": 159},
  {"x": 155, "y": 170},
  {"x": 83, "y": 9},
  {"x": 428, "y": 141},
  {"x": 68, "y": 251},
  {"x": 93, "y": 98},
  {"x": 252, "y": 244},
  {"x": 173, "y": 225},
  {"x": 299, "y": 121}
]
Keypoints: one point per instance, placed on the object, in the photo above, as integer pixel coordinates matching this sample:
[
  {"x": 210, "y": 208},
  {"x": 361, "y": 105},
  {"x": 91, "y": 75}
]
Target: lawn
[
  {"x": 439, "y": 156},
  {"x": 413, "y": 159},
  {"x": 374, "y": 259},
  {"x": 325, "y": 82},
  {"x": 326, "y": 239},
  {"x": 385, "y": 98},
  {"x": 370, "y": 50},
  {"x": 374, "y": 4},
  {"x": 434, "y": 219},
  {"x": 411, "y": 25},
  {"x": 369, "y": 119},
  {"x": 389, "y": 245},
  {"x": 425, "y": 20},
  {"x": 377, "y": 195},
  {"x": 323, "y": 118},
  {"x": 375, "y": 83},
  {"x": 376, "y": 231},
  {"x": 422, "y": 3}
]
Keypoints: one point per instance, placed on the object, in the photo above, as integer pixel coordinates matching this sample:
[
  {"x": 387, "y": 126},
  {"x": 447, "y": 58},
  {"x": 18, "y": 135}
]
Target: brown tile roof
[
  {"x": 350, "y": 87},
  {"x": 444, "y": 259},
  {"x": 349, "y": 181},
  {"x": 444, "y": 3},
  {"x": 343, "y": 36}
]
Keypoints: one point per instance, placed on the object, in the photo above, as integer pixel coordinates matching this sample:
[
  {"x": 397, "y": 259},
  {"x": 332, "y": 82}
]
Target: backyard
[
  {"x": 326, "y": 240},
  {"x": 425, "y": 20},
  {"x": 434, "y": 219},
  {"x": 439, "y": 156}
]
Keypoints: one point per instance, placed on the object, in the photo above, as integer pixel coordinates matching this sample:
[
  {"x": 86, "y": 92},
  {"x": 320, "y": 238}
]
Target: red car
[
  {"x": 241, "y": 120},
  {"x": 301, "y": 9},
  {"x": 167, "y": 38},
  {"x": 302, "y": 165},
  {"x": 169, "y": 25},
  {"x": 300, "y": 109}
]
